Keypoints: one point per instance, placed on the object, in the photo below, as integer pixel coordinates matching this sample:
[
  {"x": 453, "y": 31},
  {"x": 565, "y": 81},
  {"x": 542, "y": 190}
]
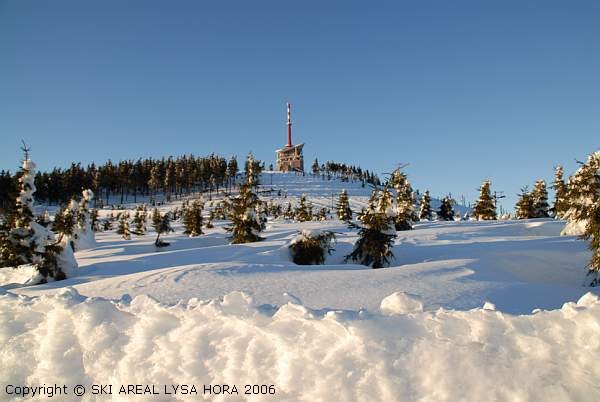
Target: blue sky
[{"x": 461, "y": 90}]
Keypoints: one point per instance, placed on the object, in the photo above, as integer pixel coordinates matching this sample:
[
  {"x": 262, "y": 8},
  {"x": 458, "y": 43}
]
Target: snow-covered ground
[{"x": 468, "y": 311}]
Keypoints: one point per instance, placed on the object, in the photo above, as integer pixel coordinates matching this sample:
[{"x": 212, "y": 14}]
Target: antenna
[{"x": 289, "y": 124}]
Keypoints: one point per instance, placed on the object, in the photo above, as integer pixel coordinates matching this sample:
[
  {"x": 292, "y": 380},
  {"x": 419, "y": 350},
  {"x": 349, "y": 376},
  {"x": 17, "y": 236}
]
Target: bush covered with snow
[
  {"x": 476, "y": 355},
  {"x": 309, "y": 247}
]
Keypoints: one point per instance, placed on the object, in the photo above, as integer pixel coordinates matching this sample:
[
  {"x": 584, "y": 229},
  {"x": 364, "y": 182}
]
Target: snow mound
[
  {"x": 401, "y": 303},
  {"x": 305, "y": 354}
]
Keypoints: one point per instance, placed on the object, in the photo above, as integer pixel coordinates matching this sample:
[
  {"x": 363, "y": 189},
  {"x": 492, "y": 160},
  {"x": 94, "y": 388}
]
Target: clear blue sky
[{"x": 461, "y": 90}]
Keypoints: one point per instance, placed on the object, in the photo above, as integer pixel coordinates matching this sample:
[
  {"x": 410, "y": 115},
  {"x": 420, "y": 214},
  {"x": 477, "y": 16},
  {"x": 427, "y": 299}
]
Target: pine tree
[
  {"x": 24, "y": 241},
  {"x": 425, "y": 212},
  {"x": 192, "y": 219},
  {"x": 252, "y": 171},
  {"x": 303, "y": 213},
  {"x": 161, "y": 225},
  {"x": 64, "y": 224},
  {"x": 446, "y": 211},
  {"x": 344, "y": 213},
  {"x": 84, "y": 236},
  {"x": 484, "y": 207},
  {"x": 560, "y": 198},
  {"x": 405, "y": 210},
  {"x": 309, "y": 248},
  {"x": 315, "y": 167},
  {"x": 94, "y": 217},
  {"x": 246, "y": 222},
  {"x": 139, "y": 222},
  {"x": 584, "y": 210},
  {"x": 289, "y": 212},
  {"x": 123, "y": 228},
  {"x": 376, "y": 234},
  {"x": 539, "y": 196},
  {"x": 524, "y": 207}
]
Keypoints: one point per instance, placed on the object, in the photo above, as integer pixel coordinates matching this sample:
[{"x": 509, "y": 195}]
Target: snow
[
  {"x": 401, "y": 303},
  {"x": 490, "y": 310},
  {"x": 307, "y": 355}
]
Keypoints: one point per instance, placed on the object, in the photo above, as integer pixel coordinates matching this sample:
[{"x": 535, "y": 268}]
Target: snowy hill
[
  {"x": 323, "y": 192},
  {"x": 456, "y": 317}
]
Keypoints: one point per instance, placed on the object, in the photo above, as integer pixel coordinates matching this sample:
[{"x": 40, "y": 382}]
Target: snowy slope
[{"x": 413, "y": 331}]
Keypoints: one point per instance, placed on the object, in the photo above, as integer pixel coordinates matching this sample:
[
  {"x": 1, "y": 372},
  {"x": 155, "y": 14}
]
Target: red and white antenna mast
[{"x": 289, "y": 124}]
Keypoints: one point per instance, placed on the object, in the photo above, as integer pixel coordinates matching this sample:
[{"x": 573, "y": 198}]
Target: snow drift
[{"x": 307, "y": 355}]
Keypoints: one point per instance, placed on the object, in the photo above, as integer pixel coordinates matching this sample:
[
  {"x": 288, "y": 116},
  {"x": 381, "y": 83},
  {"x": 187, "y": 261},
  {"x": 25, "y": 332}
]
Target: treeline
[
  {"x": 345, "y": 172},
  {"x": 127, "y": 179}
]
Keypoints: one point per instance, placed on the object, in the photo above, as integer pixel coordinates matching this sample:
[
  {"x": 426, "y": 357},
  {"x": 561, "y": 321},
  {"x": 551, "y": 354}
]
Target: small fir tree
[
  {"x": 139, "y": 222},
  {"x": 161, "y": 225},
  {"x": 123, "y": 228},
  {"x": 446, "y": 211},
  {"x": 246, "y": 222},
  {"x": 524, "y": 207},
  {"x": 425, "y": 212},
  {"x": 484, "y": 209},
  {"x": 405, "y": 210},
  {"x": 539, "y": 196},
  {"x": 289, "y": 212},
  {"x": 84, "y": 236},
  {"x": 64, "y": 224},
  {"x": 309, "y": 247},
  {"x": 561, "y": 204},
  {"x": 315, "y": 167},
  {"x": 303, "y": 213},
  {"x": 376, "y": 234},
  {"x": 192, "y": 219},
  {"x": 344, "y": 213}
]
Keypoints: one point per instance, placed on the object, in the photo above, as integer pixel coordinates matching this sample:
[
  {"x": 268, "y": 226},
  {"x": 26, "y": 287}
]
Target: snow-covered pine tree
[
  {"x": 192, "y": 219},
  {"x": 425, "y": 212},
  {"x": 24, "y": 241},
  {"x": 539, "y": 196},
  {"x": 321, "y": 215},
  {"x": 246, "y": 222},
  {"x": 84, "y": 237},
  {"x": 446, "y": 211},
  {"x": 583, "y": 216},
  {"x": 252, "y": 171},
  {"x": 289, "y": 212},
  {"x": 309, "y": 247},
  {"x": 561, "y": 204},
  {"x": 94, "y": 217},
  {"x": 485, "y": 209},
  {"x": 123, "y": 228},
  {"x": 302, "y": 213},
  {"x": 64, "y": 224},
  {"x": 524, "y": 206},
  {"x": 161, "y": 225},
  {"x": 405, "y": 210},
  {"x": 139, "y": 222},
  {"x": 344, "y": 213},
  {"x": 376, "y": 234}
]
